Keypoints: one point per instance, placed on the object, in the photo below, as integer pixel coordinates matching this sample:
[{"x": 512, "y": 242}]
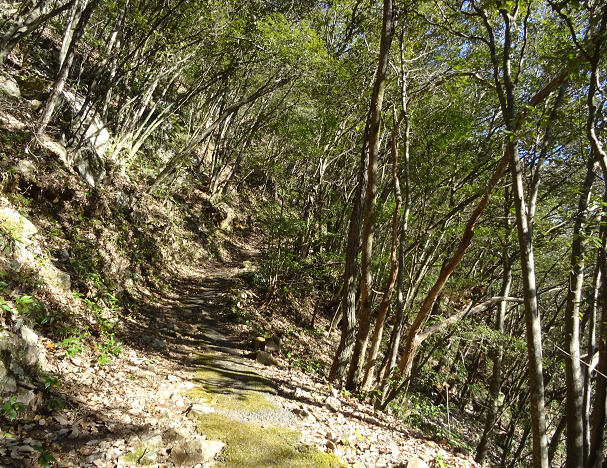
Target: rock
[
  {"x": 35, "y": 104},
  {"x": 96, "y": 134},
  {"x": 34, "y": 87},
  {"x": 332, "y": 404},
  {"x": 90, "y": 139},
  {"x": 8, "y": 385},
  {"x": 416, "y": 463},
  {"x": 18, "y": 226},
  {"x": 273, "y": 344},
  {"x": 173, "y": 435},
  {"x": 9, "y": 86},
  {"x": 63, "y": 255},
  {"x": 26, "y": 398},
  {"x": 197, "y": 410},
  {"x": 55, "y": 277},
  {"x": 266, "y": 359},
  {"x": 259, "y": 343},
  {"x": 158, "y": 343},
  {"x": 192, "y": 452},
  {"x": 29, "y": 335},
  {"x": 25, "y": 167},
  {"x": 304, "y": 414}
]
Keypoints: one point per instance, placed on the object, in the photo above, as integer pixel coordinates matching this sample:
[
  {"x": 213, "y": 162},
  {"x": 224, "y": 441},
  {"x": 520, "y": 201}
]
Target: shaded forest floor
[{"x": 119, "y": 415}]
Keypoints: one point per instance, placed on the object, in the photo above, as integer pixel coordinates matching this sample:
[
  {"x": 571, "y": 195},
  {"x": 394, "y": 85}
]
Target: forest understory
[{"x": 394, "y": 211}]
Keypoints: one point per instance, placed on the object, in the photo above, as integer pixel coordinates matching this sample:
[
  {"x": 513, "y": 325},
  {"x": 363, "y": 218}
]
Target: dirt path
[{"x": 181, "y": 395}]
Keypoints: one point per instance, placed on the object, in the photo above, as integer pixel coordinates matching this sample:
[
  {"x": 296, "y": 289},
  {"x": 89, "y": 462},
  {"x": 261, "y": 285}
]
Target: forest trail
[
  {"x": 181, "y": 395},
  {"x": 185, "y": 394}
]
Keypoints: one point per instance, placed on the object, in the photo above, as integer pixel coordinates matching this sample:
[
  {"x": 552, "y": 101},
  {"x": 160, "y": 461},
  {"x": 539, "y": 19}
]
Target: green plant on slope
[{"x": 12, "y": 408}]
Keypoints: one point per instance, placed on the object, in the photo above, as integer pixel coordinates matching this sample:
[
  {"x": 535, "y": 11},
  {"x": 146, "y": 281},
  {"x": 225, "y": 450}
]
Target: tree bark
[
  {"x": 573, "y": 370},
  {"x": 497, "y": 351},
  {"x": 27, "y": 22},
  {"x": 65, "y": 68},
  {"x": 391, "y": 281},
  {"x": 178, "y": 159},
  {"x": 388, "y": 25}
]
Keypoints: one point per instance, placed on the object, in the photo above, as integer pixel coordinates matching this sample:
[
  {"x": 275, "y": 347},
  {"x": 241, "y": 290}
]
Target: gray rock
[
  {"x": 17, "y": 369},
  {"x": 29, "y": 335},
  {"x": 417, "y": 463},
  {"x": 55, "y": 277},
  {"x": 192, "y": 452},
  {"x": 9, "y": 86},
  {"x": 8, "y": 385},
  {"x": 35, "y": 356},
  {"x": 198, "y": 410},
  {"x": 26, "y": 397},
  {"x": 173, "y": 435},
  {"x": 20, "y": 227},
  {"x": 332, "y": 404},
  {"x": 63, "y": 255},
  {"x": 266, "y": 359},
  {"x": 273, "y": 344},
  {"x": 304, "y": 414},
  {"x": 25, "y": 167},
  {"x": 96, "y": 135}
]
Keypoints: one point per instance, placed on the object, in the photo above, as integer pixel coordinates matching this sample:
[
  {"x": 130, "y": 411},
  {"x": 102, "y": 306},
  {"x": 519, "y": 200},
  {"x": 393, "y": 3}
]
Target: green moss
[
  {"x": 226, "y": 384},
  {"x": 137, "y": 456},
  {"x": 253, "y": 445}
]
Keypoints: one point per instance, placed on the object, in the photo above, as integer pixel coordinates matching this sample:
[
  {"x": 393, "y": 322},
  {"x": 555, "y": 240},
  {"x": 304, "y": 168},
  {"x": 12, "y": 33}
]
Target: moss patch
[
  {"x": 253, "y": 445},
  {"x": 138, "y": 456},
  {"x": 226, "y": 384}
]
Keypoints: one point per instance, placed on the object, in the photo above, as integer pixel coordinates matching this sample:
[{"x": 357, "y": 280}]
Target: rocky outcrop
[
  {"x": 90, "y": 139},
  {"x": 9, "y": 86},
  {"x": 19, "y": 249}
]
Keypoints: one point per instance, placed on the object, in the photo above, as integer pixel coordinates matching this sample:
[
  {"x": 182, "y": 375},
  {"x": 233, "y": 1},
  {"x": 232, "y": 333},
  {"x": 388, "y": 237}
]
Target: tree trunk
[
  {"x": 599, "y": 412},
  {"x": 406, "y": 361},
  {"x": 573, "y": 370},
  {"x": 27, "y": 22},
  {"x": 498, "y": 354},
  {"x": 178, "y": 159},
  {"x": 391, "y": 281},
  {"x": 532, "y": 314},
  {"x": 364, "y": 319},
  {"x": 65, "y": 68}
]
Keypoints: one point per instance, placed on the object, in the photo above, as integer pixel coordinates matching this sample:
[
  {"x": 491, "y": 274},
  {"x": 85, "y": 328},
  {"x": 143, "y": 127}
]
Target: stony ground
[{"x": 185, "y": 394}]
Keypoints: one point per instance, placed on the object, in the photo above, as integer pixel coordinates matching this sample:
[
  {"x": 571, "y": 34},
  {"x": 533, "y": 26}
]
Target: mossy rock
[{"x": 254, "y": 445}]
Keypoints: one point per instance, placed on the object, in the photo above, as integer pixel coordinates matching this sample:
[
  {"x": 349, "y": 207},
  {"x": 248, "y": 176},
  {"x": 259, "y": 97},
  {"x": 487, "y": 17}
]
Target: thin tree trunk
[
  {"x": 413, "y": 342},
  {"x": 178, "y": 159},
  {"x": 364, "y": 319},
  {"x": 599, "y": 412},
  {"x": 591, "y": 350},
  {"x": 498, "y": 355},
  {"x": 532, "y": 314},
  {"x": 573, "y": 371},
  {"x": 391, "y": 281},
  {"x": 33, "y": 17},
  {"x": 65, "y": 68}
]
